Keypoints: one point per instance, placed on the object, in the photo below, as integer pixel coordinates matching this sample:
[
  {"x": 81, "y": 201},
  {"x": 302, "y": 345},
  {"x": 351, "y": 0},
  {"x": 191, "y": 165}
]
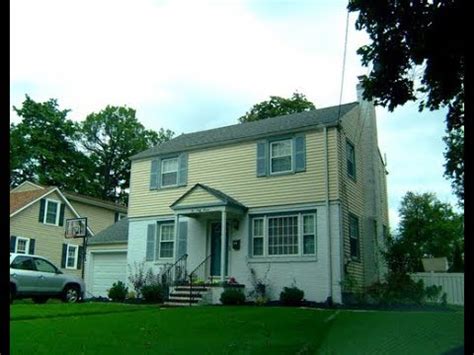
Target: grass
[{"x": 97, "y": 328}]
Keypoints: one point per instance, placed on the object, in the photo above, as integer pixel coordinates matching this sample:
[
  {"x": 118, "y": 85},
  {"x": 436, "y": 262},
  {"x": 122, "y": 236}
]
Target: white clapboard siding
[{"x": 452, "y": 283}]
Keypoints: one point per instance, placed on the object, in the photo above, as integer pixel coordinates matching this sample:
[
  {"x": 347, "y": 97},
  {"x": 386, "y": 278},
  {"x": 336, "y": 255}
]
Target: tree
[
  {"x": 110, "y": 137},
  {"x": 43, "y": 148},
  {"x": 277, "y": 106},
  {"x": 428, "y": 227},
  {"x": 417, "y": 53}
]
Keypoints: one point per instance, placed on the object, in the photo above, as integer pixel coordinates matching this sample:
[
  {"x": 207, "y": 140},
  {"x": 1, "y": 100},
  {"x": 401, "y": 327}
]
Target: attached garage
[
  {"x": 106, "y": 260},
  {"x": 107, "y": 268}
]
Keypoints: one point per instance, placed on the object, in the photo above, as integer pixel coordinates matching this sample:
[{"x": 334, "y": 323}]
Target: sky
[{"x": 201, "y": 64}]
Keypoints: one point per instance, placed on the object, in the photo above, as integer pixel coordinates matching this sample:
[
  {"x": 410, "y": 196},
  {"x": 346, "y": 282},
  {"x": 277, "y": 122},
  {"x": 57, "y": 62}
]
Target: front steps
[{"x": 181, "y": 296}]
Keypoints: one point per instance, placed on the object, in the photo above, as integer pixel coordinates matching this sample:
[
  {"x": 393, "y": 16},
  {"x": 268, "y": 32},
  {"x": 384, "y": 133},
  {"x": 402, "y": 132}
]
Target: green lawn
[{"x": 102, "y": 328}]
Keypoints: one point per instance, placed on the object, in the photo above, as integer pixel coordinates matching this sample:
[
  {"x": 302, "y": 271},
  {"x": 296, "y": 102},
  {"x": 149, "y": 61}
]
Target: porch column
[
  {"x": 176, "y": 226},
  {"x": 223, "y": 245}
]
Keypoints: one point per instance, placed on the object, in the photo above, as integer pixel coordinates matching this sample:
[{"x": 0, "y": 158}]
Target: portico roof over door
[{"x": 204, "y": 199}]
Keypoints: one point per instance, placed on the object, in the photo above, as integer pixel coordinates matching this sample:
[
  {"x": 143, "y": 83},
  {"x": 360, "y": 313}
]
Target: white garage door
[{"x": 107, "y": 268}]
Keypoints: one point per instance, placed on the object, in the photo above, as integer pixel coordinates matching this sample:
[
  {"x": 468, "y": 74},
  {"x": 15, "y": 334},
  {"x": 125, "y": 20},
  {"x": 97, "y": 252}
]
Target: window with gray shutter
[
  {"x": 183, "y": 169},
  {"x": 155, "y": 174},
  {"x": 262, "y": 158},
  {"x": 150, "y": 242},
  {"x": 300, "y": 153}
]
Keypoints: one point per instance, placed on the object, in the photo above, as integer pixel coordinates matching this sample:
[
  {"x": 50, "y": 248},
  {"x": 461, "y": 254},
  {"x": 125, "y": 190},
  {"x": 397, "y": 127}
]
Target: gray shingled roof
[
  {"x": 249, "y": 130},
  {"x": 226, "y": 199},
  {"x": 116, "y": 233}
]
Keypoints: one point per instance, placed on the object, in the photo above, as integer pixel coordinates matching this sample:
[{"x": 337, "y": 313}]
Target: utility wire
[{"x": 343, "y": 67}]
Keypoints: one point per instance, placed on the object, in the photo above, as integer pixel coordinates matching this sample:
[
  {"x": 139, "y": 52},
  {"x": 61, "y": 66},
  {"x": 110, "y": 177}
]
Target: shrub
[
  {"x": 232, "y": 296},
  {"x": 402, "y": 289},
  {"x": 291, "y": 296},
  {"x": 137, "y": 277},
  {"x": 261, "y": 300},
  {"x": 118, "y": 292},
  {"x": 152, "y": 293},
  {"x": 131, "y": 295}
]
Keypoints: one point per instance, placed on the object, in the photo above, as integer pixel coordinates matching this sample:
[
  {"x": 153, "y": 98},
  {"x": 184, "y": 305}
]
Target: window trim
[
  {"x": 353, "y": 217},
  {"x": 296, "y": 257},
  {"x": 270, "y": 143},
  {"x": 262, "y": 236},
  {"x": 45, "y": 215},
  {"x": 121, "y": 215},
  {"x": 315, "y": 232},
  {"x": 161, "y": 172},
  {"x": 351, "y": 159},
  {"x": 76, "y": 253},
  {"x": 27, "y": 246},
  {"x": 158, "y": 239}
]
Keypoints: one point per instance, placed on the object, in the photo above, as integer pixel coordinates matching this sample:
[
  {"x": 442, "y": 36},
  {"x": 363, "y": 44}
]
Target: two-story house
[
  {"x": 37, "y": 218},
  {"x": 301, "y": 198}
]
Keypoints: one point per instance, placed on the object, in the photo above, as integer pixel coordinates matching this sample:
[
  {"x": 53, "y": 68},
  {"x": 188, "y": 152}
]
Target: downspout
[{"x": 328, "y": 219}]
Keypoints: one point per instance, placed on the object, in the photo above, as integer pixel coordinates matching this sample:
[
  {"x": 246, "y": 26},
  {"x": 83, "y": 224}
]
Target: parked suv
[{"x": 36, "y": 277}]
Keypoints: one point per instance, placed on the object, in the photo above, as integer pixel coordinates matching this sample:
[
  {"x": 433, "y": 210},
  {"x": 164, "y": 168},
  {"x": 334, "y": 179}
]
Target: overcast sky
[{"x": 194, "y": 65}]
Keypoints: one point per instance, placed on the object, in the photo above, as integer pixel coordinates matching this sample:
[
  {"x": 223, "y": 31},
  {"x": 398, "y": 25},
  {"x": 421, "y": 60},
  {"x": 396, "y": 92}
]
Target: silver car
[{"x": 32, "y": 276}]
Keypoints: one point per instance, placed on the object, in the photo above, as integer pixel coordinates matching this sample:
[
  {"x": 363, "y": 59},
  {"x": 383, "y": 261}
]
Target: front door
[{"x": 216, "y": 248}]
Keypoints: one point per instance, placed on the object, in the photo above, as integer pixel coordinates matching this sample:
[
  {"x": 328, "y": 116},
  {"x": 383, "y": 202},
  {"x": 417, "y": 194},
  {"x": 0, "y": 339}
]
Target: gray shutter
[
  {"x": 150, "y": 242},
  {"x": 32, "y": 246},
  {"x": 155, "y": 174},
  {"x": 41, "y": 211},
  {"x": 182, "y": 239},
  {"x": 63, "y": 256},
  {"x": 61, "y": 214},
  {"x": 183, "y": 169},
  {"x": 262, "y": 158},
  {"x": 299, "y": 153},
  {"x": 12, "y": 243}
]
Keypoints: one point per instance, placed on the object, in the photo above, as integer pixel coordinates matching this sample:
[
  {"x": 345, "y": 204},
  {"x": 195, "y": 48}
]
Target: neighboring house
[
  {"x": 37, "y": 219},
  {"x": 106, "y": 260},
  {"x": 300, "y": 198}
]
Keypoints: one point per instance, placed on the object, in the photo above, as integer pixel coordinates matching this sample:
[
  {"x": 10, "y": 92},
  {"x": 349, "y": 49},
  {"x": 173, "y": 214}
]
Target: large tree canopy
[
  {"x": 278, "y": 106},
  {"x": 42, "y": 148},
  {"x": 90, "y": 157},
  {"x": 417, "y": 53},
  {"x": 428, "y": 227},
  {"x": 110, "y": 137}
]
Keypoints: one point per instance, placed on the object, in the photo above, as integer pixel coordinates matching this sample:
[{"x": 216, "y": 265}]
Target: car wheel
[
  {"x": 71, "y": 294},
  {"x": 40, "y": 300}
]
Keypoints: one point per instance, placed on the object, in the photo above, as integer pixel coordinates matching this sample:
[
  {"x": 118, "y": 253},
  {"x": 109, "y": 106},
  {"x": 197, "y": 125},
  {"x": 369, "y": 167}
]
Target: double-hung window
[
  {"x": 22, "y": 245},
  {"x": 281, "y": 156},
  {"x": 284, "y": 235},
  {"x": 51, "y": 212},
  {"x": 166, "y": 240},
  {"x": 354, "y": 236},
  {"x": 351, "y": 162},
  {"x": 71, "y": 256},
  {"x": 258, "y": 235},
  {"x": 169, "y": 172},
  {"x": 309, "y": 233}
]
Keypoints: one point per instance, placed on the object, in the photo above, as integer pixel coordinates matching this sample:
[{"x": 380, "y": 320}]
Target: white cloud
[{"x": 189, "y": 65}]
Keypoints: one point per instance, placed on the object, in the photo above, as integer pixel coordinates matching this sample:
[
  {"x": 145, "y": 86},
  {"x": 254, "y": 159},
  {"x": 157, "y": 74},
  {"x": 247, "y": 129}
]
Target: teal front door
[{"x": 216, "y": 248}]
